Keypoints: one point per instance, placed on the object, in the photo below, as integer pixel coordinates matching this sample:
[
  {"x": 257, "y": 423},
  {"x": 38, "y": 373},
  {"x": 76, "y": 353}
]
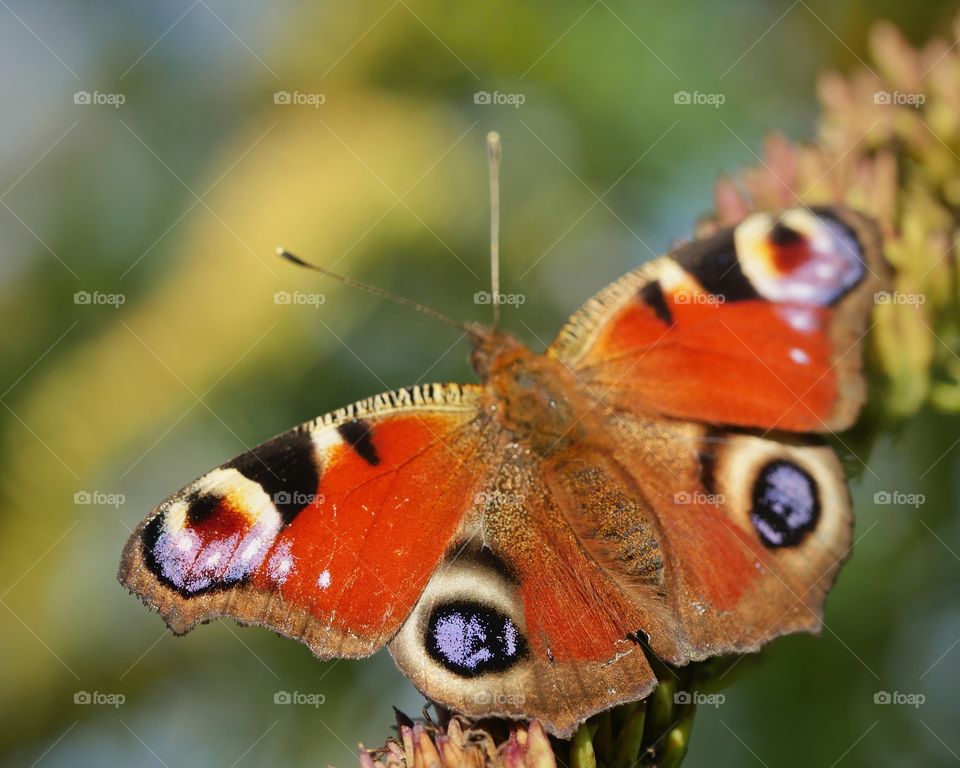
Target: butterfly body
[
  {"x": 653, "y": 483},
  {"x": 531, "y": 396}
]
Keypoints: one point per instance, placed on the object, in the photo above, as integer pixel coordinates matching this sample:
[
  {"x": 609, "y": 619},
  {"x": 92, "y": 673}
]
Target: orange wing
[
  {"x": 327, "y": 533},
  {"x": 757, "y": 326}
]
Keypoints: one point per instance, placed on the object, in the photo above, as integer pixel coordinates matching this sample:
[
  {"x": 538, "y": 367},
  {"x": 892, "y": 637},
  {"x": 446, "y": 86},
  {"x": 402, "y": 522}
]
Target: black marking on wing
[
  {"x": 652, "y": 295},
  {"x": 713, "y": 262},
  {"x": 200, "y": 507},
  {"x": 781, "y": 234},
  {"x": 151, "y": 533},
  {"x": 708, "y": 460},
  {"x": 357, "y": 434},
  {"x": 286, "y": 469},
  {"x": 483, "y": 556}
]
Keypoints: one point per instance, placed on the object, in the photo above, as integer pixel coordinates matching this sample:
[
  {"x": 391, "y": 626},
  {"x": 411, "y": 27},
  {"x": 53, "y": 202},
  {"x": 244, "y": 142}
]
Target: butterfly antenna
[
  {"x": 383, "y": 294},
  {"x": 493, "y": 157}
]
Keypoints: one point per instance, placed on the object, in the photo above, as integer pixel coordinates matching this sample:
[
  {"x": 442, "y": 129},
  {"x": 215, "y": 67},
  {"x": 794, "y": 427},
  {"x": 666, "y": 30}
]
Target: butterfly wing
[
  {"x": 752, "y": 530},
  {"x": 571, "y": 565},
  {"x": 518, "y": 621},
  {"x": 411, "y": 519},
  {"x": 756, "y": 326},
  {"x": 327, "y": 533},
  {"x": 708, "y": 363}
]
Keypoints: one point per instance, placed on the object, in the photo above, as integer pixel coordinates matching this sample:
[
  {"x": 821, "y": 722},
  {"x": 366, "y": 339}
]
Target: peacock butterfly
[{"x": 655, "y": 473}]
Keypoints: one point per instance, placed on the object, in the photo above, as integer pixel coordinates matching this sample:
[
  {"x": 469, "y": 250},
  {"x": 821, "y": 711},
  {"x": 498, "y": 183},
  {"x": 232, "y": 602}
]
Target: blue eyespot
[
  {"x": 786, "y": 504},
  {"x": 470, "y": 639}
]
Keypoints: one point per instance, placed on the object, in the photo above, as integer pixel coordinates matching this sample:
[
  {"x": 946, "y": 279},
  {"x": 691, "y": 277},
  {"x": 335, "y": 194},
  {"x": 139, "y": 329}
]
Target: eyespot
[
  {"x": 786, "y": 504},
  {"x": 470, "y": 639},
  {"x": 801, "y": 256},
  {"x": 213, "y": 536}
]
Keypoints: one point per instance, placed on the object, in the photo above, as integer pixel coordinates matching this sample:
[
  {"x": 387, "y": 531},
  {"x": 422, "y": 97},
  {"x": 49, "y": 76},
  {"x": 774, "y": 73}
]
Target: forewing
[
  {"x": 757, "y": 326},
  {"x": 328, "y": 533}
]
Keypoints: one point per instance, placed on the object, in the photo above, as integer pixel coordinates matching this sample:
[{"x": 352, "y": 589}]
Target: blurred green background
[{"x": 172, "y": 203}]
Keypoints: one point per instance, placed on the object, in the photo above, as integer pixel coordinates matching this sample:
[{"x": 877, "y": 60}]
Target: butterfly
[{"x": 656, "y": 480}]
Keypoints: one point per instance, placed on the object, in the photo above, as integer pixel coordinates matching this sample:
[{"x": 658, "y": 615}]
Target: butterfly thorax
[{"x": 532, "y": 395}]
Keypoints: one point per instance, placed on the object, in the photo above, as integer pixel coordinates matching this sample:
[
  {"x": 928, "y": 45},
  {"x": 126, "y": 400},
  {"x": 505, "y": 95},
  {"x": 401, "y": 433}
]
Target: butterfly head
[
  {"x": 533, "y": 394},
  {"x": 494, "y": 350}
]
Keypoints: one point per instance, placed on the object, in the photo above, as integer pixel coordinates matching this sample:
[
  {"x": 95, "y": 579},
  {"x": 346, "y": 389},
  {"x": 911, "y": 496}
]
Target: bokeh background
[{"x": 165, "y": 210}]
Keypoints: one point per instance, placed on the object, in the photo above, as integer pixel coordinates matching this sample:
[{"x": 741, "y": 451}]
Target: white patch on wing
[
  {"x": 323, "y": 581},
  {"x": 800, "y": 318},
  {"x": 676, "y": 281},
  {"x": 325, "y": 438},
  {"x": 281, "y": 564}
]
